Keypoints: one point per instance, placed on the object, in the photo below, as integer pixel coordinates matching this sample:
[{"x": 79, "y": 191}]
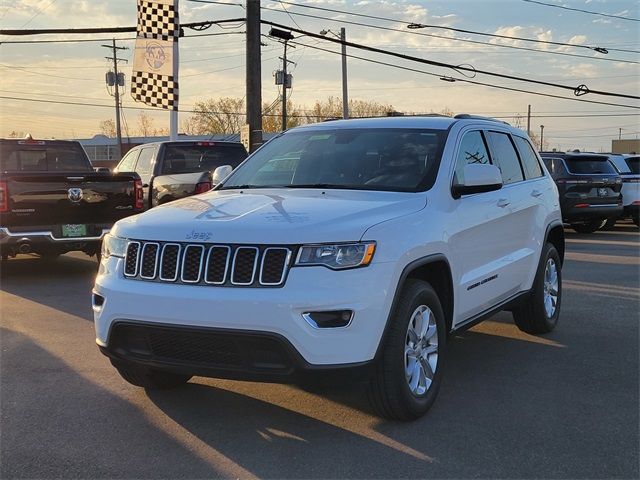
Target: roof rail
[{"x": 463, "y": 116}]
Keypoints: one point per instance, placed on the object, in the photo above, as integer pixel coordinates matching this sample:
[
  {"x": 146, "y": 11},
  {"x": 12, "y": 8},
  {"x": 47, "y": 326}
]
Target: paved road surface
[{"x": 511, "y": 405}]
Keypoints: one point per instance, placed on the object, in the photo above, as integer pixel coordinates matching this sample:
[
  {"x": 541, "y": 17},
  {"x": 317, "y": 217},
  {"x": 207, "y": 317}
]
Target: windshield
[
  {"x": 590, "y": 165},
  {"x": 365, "y": 159},
  {"x": 16, "y": 157},
  {"x": 201, "y": 158}
]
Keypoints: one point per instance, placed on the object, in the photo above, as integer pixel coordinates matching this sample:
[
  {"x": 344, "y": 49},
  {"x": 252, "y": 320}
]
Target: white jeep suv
[{"x": 349, "y": 246}]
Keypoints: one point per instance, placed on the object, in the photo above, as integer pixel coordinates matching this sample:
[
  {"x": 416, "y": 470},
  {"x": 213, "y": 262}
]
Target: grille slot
[
  {"x": 149, "y": 256},
  {"x": 192, "y": 263},
  {"x": 217, "y": 265},
  {"x": 132, "y": 258},
  {"x": 169, "y": 262},
  {"x": 244, "y": 265},
  {"x": 203, "y": 264},
  {"x": 273, "y": 266}
]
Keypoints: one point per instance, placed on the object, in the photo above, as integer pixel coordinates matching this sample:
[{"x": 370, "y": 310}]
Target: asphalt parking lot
[{"x": 512, "y": 405}]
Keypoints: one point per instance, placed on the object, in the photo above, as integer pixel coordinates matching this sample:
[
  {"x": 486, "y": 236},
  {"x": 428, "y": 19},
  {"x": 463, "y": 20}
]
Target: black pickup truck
[
  {"x": 52, "y": 201},
  {"x": 173, "y": 170}
]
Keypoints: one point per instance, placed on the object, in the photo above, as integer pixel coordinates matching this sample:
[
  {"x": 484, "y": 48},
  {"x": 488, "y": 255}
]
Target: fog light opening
[
  {"x": 97, "y": 301},
  {"x": 329, "y": 319}
]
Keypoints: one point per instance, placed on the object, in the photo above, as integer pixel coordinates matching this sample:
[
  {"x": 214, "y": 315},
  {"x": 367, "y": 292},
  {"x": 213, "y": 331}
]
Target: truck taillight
[
  {"x": 203, "y": 187},
  {"x": 139, "y": 195},
  {"x": 4, "y": 197}
]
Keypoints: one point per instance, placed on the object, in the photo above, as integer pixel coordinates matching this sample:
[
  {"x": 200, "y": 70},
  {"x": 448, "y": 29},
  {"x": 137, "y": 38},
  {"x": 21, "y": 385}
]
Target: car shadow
[
  {"x": 499, "y": 400},
  {"x": 63, "y": 284}
]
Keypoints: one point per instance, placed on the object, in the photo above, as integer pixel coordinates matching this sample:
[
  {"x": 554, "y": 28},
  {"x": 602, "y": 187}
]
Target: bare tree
[
  {"x": 15, "y": 134},
  {"x": 223, "y": 115},
  {"x": 332, "y": 108},
  {"x": 272, "y": 117},
  {"x": 108, "y": 128},
  {"x": 145, "y": 125}
]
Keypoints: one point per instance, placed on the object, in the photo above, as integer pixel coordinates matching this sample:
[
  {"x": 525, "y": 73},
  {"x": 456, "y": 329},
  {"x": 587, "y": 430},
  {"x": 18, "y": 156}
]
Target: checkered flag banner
[{"x": 154, "y": 79}]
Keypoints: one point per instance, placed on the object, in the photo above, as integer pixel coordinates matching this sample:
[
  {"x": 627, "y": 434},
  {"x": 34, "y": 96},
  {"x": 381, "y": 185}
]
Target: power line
[
  {"x": 413, "y": 25},
  {"x": 80, "y": 40},
  {"x": 40, "y": 11},
  {"x": 578, "y": 91},
  {"x": 513, "y": 47},
  {"x": 590, "y": 12},
  {"x": 464, "y": 80}
]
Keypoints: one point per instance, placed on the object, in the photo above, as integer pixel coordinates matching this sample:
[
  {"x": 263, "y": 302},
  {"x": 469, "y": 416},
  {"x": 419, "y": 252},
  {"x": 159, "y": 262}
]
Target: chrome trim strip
[
  {"x": 126, "y": 257},
  {"x": 605, "y": 205},
  {"x": 184, "y": 259},
  {"x": 255, "y": 264},
  {"x": 226, "y": 265},
  {"x": 284, "y": 267},
  {"x": 178, "y": 263},
  {"x": 310, "y": 321},
  {"x": 155, "y": 261},
  {"x": 4, "y": 232}
]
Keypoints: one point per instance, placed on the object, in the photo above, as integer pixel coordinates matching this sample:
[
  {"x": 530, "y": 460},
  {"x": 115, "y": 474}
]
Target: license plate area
[
  {"x": 74, "y": 230},
  {"x": 604, "y": 192}
]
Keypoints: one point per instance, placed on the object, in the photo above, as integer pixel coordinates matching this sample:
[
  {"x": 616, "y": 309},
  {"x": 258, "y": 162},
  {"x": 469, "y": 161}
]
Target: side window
[
  {"x": 128, "y": 162},
  {"x": 505, "y": 157},
  {"x": 472, "y": 150},
  {"x": 143, "y": 167},
  {"x": 529, "y": 159}
]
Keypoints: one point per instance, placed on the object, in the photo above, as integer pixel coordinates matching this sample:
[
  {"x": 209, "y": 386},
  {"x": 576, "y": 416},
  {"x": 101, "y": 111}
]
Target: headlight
[
  {"x": 344, "y": 255},
  {"x": 113, "y": 246}
]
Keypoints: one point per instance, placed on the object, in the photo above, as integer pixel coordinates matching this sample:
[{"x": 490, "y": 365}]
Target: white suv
[{"x": 349, "y": 246}]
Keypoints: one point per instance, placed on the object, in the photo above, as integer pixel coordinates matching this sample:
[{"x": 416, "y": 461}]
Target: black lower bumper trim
[{"x": 218, "y": 353}]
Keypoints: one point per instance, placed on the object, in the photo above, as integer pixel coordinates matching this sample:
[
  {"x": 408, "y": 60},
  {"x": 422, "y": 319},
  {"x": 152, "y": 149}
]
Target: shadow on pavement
[{"x": 63, "y": 284}]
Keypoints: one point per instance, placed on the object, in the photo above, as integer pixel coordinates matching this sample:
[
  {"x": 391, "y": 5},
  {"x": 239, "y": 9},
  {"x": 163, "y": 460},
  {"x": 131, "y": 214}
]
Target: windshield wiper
[
  {"x": 319, "y": 185},
  {"x": 242, "y": 187}
]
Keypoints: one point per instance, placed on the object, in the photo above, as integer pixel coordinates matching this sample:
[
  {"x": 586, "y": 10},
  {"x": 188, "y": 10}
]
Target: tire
[
  {"x": 609, "y": 224},
  {"x": 588, "y": 227},
  {"x": 389, "y": 390},
  {"x": 147, "y": 378},
  {"x": 539, "y": 314}
]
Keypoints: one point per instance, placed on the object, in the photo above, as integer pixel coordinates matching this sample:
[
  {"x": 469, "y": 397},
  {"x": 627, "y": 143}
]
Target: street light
[
  {"x": 541, "y": 137},
  {"x": 345, "y": 94}
]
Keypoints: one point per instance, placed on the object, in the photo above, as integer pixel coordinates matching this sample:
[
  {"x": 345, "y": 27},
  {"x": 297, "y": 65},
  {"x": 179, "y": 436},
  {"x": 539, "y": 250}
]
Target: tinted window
[
  {"x": 472, "y": 150},
  {"x": 634, "y": 164},
  {"x": 554, "y": 165},
  {"x": 505, "y": 157},
  {"x": 128, "y": 162},
  {"x": 366, "y": 159},
  {"x": 585, "y": 165},
  {"x": 143, "y": 167},
  {"x": 200, "y": 158},
  {"x": 530, "y": 163},
  {"x": 47, "y": 157}
]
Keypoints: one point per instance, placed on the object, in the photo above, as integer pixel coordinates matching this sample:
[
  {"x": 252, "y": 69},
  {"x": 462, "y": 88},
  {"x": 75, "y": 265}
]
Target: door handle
[
  {"x": 536, "y": 193},
  {"x": 503, "y": 202}
]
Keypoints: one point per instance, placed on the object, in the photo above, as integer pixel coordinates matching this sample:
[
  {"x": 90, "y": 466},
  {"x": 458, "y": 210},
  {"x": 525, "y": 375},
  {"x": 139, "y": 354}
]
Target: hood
[{"x": 270, "y": 216}]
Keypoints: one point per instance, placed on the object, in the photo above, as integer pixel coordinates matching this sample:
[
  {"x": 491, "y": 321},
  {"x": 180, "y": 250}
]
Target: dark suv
[{"x": 589, "y": 188}]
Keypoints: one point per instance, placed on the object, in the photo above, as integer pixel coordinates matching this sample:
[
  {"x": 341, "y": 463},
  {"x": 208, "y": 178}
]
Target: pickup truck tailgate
[{"x": 49, "y": 198}]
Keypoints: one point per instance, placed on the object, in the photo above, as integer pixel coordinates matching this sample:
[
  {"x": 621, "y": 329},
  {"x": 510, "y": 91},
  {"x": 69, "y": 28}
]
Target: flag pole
[{"x": 173, "y": 115}]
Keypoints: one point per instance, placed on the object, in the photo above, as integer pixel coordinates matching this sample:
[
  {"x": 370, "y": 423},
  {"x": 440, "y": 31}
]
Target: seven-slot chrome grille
[{"x": 205, "y": 264}]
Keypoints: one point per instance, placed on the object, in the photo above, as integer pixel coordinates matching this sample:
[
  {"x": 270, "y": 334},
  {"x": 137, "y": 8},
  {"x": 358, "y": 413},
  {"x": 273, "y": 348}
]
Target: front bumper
[{"x": 368, "y": 292}]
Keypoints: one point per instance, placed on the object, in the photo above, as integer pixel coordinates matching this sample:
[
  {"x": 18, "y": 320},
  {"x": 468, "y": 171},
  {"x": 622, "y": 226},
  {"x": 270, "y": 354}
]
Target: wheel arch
[
  {"x": 555, "y": 236},
  {"x": 435, "y": 270}
]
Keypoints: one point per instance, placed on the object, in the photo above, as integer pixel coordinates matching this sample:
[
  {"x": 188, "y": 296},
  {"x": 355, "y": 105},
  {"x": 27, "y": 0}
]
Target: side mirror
[
  {"x": 478, "y": 178},
  {"x": 221, "y": 173},
  {"x": 102, "y": 170}
]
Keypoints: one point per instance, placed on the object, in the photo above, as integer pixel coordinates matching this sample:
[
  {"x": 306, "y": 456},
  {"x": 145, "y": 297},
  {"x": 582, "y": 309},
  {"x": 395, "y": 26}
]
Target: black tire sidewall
[
  {"x": 418, "y": 293},
  {"x": 549, "y": 251}
]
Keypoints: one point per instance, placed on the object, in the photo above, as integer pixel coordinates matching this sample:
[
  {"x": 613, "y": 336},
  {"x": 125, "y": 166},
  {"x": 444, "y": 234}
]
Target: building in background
[{"x": 625, "y": 146}]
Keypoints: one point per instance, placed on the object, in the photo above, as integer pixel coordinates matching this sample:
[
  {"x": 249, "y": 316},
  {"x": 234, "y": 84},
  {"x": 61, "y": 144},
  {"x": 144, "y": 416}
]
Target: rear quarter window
[
  {"x": 529, "y": 159},
  {"x": 634, "y": 164}
]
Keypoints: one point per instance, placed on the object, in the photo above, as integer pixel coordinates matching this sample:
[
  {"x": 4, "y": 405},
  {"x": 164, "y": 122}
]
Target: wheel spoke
[
  {"x": 413, "y": 337},
  {"x": 426, "y": 368},
  {"x": 415, "y": 377}
]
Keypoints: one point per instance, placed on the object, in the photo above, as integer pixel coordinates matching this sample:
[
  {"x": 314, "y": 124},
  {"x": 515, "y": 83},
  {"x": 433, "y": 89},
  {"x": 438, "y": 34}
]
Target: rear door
[{"x": 144, "y": 167}]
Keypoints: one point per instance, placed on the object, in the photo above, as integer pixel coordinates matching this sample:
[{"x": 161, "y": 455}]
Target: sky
[{"x": 213, "y": 66}]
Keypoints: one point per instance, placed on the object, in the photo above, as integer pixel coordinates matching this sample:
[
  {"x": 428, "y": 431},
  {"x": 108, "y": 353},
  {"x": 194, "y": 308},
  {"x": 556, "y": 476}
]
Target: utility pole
[
  {"x": 345, "y": 95},
  {"x": 541, "y": 137},
  {"x": 115, "y": 60},
  {"x": 284, "y": 88},
  {"x": 529, "y": 120},
  {"x": 253, "y": 75},
  {"x": 620, "y": 134}
]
